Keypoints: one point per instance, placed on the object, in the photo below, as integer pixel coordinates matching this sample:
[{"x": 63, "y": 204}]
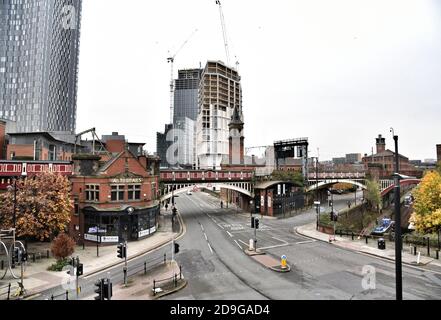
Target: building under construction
[{"x": 219, "y": 93}]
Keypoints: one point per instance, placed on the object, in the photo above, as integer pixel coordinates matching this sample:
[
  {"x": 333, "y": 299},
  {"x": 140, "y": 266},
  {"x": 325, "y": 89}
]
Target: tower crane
[
  {"x": 171, "y": 60},
  {"x": 224, "y": 31}
]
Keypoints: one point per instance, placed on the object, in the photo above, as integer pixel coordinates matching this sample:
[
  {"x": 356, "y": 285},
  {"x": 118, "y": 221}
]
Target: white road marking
[
  {"x": 205, "y": 235},
  {"x": 202, "y": 227},
  {"x": 230, "y": 234},
  {"x": 238, "y": 244},
  {"x": 275, "y": 246},
  {"x": 220, "y": 226},
  {"x": 246, "y": 244},
  {"x": 283, "y": 241},
  {"x": 303, "y": 242},
  {"x": 210, "y": 247}
]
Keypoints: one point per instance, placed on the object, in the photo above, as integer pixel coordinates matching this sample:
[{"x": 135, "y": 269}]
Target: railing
[
  {"x": 64, "y": 294},
  {"x": 169, "y": 280},
  {"x": 6, "y": 291},
  {"x": 147, "y": 265}
]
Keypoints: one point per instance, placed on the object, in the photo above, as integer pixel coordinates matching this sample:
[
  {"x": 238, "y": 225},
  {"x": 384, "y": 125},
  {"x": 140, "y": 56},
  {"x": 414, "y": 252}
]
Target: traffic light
[
  {"x": 99, "y": 290},
  {"x": 80, "y": 269},
  {"x": 252, "y": 222},
  {"x": 256, "y": 223},
  {"x": 107, "y": 290},
  {"x": 122, "y": 253},
  {"x": 175, "y": 211},
  {"x": 176, "y": 247}
]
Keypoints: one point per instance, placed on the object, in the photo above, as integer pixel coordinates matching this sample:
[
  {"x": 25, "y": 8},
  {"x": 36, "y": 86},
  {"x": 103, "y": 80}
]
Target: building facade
[
  {"x": 220, "y": 93},
  {"x": 39, "y": 63},
  {"x": 438, "y": 152},
  {"x": 186, "y": 94},
  {"x": 184, "y": 139},
  {"x": 163, "y": 143},
  {"x": 382, "y": 164}
]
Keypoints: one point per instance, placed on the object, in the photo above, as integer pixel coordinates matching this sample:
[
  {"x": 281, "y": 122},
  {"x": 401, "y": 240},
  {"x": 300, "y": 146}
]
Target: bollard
[
  {"x": 33, "y": 257},
  {"x": 366, "y": 237},
  {"x": 52, "y": 297},
  {"x": 414, "y": 250},
  {"x": 352, "y": 235},
  {"x": 2, "y": 265},
  {"x": 437, "y": 254},
  {"x": 165, "y": 258},
  {"x": 154, "y": 287},
  {"x": 428, "y": 246},
  {"x": 47, "y": 252},
  {"x": 145, "y": 267},
  {"x": 9, "y": 290},
  {"x": 180, "y": 272},
  {"x": 67, "y": 295},
  {"x": 176, "y": 280}
]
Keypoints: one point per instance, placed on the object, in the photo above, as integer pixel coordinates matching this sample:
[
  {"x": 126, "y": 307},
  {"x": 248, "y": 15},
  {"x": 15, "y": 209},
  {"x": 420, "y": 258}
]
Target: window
[
  {"x": 134, "y": 192},
  {"x": 92, "y": 192},
  {"x": 117, "y": 193},
  {"x": 76, "y": 207}
]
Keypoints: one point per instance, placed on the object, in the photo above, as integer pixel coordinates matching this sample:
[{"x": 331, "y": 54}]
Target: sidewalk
[
  {"x": 140, "y": 286},
  {"x": 360, "y": 245},
  {"x": 37, "y": 278}
]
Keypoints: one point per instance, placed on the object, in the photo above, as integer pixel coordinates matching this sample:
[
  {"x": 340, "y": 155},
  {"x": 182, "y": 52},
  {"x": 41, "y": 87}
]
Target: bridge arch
[
  {"x": 185, "y": 188},
  {"x": 324, "y": 183},
  {"x": 403, "y": 182}
]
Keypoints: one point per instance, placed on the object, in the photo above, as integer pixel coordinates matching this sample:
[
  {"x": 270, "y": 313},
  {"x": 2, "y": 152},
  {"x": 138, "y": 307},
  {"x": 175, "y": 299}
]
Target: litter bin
[{"x": 381, "y": 244}]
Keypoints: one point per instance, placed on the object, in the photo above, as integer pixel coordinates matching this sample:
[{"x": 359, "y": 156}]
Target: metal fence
[
  {"x": 146, "y": 265},
  {"x": 64, "y": 295},
  {"x": 167, "y": 281},
  {"x": 7, "y": 291}
]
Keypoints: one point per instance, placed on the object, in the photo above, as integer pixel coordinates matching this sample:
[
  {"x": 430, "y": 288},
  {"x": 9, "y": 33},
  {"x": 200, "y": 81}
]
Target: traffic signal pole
[{"x": 125, "y": 263}]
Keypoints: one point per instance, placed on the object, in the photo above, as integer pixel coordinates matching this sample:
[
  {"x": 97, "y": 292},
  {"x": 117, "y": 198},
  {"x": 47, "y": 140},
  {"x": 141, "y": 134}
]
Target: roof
[
  {"x": 47, "y": 135},
  {"x": 110, "y": 162},
  {"x": 386, "y": 153}
]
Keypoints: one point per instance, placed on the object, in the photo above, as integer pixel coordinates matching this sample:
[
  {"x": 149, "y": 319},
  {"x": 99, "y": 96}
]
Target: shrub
[
  {"x": 59, "y": 265},
  {"x": 63, "y": 246}
]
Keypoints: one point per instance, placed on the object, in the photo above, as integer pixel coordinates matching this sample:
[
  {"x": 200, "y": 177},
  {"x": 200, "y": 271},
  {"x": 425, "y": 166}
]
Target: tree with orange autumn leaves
[
  {"x": 427, "y": 205},
  {"x": 43, "y": 206}
]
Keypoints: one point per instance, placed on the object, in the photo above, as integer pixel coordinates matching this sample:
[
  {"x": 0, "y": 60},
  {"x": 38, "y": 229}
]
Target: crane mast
[
  {"x": 171, "y": 60},
  {"x": 224, "y": 31}
]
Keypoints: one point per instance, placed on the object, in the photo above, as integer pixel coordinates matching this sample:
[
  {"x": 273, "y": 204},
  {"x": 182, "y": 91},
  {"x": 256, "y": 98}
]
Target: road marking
[
  {"x": 308, "y": 241},
  {"x": 283, "y": 241},
  {"x": 246, "y": 244},
  {"x": 202, "y": 227},
  {"x": 230, "y": 234},
  {"x": 275, "y": 246},
  {"x": 238, "y": 244},
  {"x": 205, "y": 235},
  {"x": 220, "y": 226},
  {"x": 210, "y": 248}
]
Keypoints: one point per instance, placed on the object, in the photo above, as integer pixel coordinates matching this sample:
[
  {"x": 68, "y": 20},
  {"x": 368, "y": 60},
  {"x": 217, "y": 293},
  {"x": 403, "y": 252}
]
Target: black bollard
[
  {"x": 180, "y": 272},
  {"x": 2, "y": 265},
  {"x": 437, "y": 254},
  {"x": 414, "y": 250},
  {"x": 154, "y": 287},
  {"x": 47, "y": 253},
  {"x": 145, "y": 267},
  {"x": 352, "y": 235},
  {"x": 33, "y": 257},
  {"x": 366, "y": 237},
  {"x": 428, "y": 246}
]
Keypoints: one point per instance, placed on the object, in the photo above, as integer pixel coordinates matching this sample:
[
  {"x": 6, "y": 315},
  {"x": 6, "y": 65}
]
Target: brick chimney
[{"x": 381, "y": 144}]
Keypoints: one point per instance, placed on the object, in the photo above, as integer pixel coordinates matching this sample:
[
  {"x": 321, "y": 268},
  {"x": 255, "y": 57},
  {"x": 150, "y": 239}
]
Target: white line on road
[
  {"x": 220, "y": 226},
  {"x": 202, "y": 227},
  {"x": 243, "y": 242},
  {"x": 308, "y": 241},
  {"x": 276, "y": 246},
  {"x": 229, "y": 234},
  {"x": 283, "y": 241},
  {"x": 210, "y": 248},
  {"x": 238, "y": 244},
  {"x": 205, "y": 235}
]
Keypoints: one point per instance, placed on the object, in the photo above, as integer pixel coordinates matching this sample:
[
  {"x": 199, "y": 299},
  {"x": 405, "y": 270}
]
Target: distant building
[
  {"x": 338, "y": 161},
  {"x": 353, "y": 158},
  {"x": 186, "y": 95},
  {"x": 184, "y": 138},
  {"x": 163, "y": 145},
  {"x": 438, "y": 152},
  {"x": 382, "y": 164}
]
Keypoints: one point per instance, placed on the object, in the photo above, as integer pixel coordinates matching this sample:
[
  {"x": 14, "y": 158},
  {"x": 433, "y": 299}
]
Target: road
[{"x": 216, "y": 267}]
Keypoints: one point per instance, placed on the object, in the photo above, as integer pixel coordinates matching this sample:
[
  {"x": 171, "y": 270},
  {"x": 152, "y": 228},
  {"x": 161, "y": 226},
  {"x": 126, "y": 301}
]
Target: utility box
[{"x": 381, "y": 244}]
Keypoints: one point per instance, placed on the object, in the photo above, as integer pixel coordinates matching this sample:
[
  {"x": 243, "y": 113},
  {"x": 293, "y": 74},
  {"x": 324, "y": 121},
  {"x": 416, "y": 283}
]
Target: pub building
[{"x": 117, "y": 197}]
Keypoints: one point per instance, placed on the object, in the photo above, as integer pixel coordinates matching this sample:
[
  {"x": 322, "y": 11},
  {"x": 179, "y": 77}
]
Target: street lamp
[
  {"x": 14, "y": 218},
  {"x": 398, "y": 241}
]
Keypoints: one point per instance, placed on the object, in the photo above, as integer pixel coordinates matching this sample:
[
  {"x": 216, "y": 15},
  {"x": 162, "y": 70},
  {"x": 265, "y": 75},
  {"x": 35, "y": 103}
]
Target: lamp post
[
  {"x": 398, "y": 241},
  {"x": 317, "y": 191},
  {"x": 15, "y": 201}
]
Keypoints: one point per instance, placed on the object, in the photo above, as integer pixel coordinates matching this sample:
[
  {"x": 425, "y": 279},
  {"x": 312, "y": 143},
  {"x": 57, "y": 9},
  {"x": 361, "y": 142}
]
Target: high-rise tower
[
  {"x": 220, "y": 93},
  {"x": 39, "y": 47}
]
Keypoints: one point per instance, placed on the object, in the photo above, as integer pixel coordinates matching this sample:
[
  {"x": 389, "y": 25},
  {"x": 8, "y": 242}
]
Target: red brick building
[
  {"x": 382, "y": 164},
  {"x": 119, "y": 196}
]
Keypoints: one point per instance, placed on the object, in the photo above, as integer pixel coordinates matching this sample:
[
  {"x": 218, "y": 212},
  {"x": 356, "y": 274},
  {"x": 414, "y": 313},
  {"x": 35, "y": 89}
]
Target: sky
[{"x": 338, "y": 72}]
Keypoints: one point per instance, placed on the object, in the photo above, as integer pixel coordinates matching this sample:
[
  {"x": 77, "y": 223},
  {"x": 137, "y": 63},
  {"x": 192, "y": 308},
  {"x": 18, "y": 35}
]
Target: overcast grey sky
[{"x": 339, "y": 72}]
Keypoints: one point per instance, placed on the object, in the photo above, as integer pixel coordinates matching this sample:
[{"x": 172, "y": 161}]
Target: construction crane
[
  {"x": 224, "y": 31},
  {"x": 171, "y": 60}
]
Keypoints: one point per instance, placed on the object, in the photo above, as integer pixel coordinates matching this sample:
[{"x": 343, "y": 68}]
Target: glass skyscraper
[
  {"x": 186, "y": 94},
  {"x": 39, "y": 47}
]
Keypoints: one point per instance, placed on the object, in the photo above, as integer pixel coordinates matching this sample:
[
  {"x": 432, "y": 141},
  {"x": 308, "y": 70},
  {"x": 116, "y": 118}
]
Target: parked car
[
  {"x": 189, "y": 192},
  {"x": 385, "y": 226}
]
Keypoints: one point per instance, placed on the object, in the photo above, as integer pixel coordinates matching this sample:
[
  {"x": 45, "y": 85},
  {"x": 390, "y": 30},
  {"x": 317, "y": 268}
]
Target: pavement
[
  {"x": 360, "y": 245},
  {"x": 38, "y": 279}
]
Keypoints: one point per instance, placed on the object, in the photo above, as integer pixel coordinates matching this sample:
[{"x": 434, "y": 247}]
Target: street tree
[
  {"x": 427, "y": 206},
  {"x": 42, "y": 206},
  {"x": 63, "y": 246},
  {"x": 373, "y": 194},
  {"x": 294, "y": 177}
]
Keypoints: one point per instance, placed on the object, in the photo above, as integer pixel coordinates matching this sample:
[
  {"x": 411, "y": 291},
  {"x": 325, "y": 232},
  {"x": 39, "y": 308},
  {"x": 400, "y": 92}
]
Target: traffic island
[
  {"x": 168, "y": 289},
  {"x": 253, "y": 253},
  {"x": 279, "y": 268}
]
